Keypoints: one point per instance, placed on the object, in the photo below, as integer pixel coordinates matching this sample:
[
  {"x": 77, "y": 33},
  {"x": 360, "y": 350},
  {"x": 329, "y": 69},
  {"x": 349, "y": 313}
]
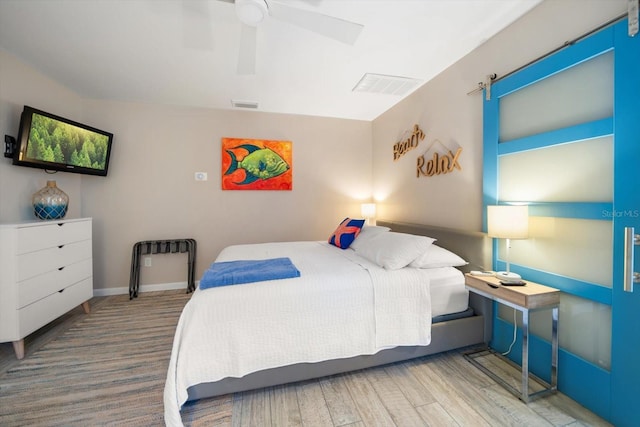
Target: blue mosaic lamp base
[{"x": 50, "y": 202}]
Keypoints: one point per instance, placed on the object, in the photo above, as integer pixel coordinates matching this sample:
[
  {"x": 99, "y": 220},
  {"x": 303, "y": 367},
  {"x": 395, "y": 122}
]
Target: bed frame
[{"x": 473, "y": 246}]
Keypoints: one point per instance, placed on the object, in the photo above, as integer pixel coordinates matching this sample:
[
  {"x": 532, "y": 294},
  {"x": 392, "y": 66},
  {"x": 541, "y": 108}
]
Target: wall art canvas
[{"x": 256, "y": 164}]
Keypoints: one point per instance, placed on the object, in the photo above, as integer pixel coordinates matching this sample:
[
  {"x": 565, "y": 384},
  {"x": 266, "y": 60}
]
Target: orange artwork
[{"x": 256, "y": 164}]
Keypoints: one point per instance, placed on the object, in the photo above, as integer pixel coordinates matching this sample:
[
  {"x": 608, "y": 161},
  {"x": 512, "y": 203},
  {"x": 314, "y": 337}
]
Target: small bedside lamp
[
  {"x": 368, "y": 211},
  {"x": 508, "y": 222}
]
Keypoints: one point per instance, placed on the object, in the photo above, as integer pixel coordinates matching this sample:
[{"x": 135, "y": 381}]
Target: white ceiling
[{"x": 185, "y": 52}]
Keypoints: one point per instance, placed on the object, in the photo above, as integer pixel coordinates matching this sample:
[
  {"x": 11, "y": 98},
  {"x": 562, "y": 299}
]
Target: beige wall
[
  {"x": 21, "y": 85},
  {"x": 150, "y": 192},
  {"x": 445, "y": 113}
]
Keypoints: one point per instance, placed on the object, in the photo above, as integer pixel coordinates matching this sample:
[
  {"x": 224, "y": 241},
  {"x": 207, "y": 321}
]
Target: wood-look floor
[{"x": 440, "y": 390}]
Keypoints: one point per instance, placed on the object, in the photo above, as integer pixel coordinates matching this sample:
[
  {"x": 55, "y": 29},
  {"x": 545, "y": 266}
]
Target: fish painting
[{"x": 264, "y": 164}]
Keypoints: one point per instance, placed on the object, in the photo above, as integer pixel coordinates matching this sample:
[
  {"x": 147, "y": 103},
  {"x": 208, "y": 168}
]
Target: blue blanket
[{"x": 247, "y": 271}]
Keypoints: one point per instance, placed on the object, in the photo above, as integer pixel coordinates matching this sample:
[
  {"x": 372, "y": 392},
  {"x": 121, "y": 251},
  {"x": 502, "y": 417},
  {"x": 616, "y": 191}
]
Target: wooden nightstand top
[{"x": 531, "y": 296}]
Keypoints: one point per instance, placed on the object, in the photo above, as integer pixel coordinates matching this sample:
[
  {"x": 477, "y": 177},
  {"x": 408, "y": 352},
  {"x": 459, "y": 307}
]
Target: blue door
[
  {"x": 625, "y": 354},
  {"x": 581, "y": 179}
]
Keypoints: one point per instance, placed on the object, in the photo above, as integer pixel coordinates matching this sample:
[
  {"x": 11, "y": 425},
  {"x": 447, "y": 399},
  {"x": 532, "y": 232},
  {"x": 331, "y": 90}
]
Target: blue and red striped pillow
[{"x": 346, "y": 232}]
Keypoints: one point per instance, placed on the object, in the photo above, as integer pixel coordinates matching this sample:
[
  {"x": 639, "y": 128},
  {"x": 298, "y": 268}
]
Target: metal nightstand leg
[
  {"x": 523, "y": 393},
  {"x": 525, "y": 356},
  {"x": 554, "y": 349}
]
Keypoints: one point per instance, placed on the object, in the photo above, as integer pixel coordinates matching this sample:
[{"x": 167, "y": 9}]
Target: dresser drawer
[
  {"x": 52, "y": 235},
  {"x": 46, "y": 269},
  {"x": 43, "y": 285},
  {"x": 33, "y": 264},
  {"x": 38, "y": 314}
]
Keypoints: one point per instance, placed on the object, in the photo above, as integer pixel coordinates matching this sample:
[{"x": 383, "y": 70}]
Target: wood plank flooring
[{"x": 440, "y": 390}]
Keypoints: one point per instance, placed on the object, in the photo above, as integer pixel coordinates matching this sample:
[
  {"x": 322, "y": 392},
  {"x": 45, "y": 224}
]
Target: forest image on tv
[{"x": 53, "y": 141}]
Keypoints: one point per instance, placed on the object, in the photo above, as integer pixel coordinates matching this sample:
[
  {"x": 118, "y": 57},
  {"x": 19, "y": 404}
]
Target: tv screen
[{"x": 54, "y": 143}]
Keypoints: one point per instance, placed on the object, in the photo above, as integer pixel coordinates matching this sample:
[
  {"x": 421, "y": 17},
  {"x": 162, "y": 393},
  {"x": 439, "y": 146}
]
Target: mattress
[
  {"x": 448, "y": 292},
  {"x": 347, "y": 304}
]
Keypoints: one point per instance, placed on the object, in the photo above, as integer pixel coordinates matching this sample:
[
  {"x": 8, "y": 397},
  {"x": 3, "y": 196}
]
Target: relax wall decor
[
  {"x": 256, "y": 164},
  {"x": 441, "y": 160}
]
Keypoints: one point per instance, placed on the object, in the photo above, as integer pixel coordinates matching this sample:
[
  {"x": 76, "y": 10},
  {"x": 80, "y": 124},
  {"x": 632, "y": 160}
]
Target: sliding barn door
[
  {"x": 563, "y": 136},
  {"x": 625, "y": 355}
]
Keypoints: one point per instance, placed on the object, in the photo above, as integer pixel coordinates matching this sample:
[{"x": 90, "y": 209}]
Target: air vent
[
  {"x": 253, "y": 105},
  {"x": 388, "y": 85}
]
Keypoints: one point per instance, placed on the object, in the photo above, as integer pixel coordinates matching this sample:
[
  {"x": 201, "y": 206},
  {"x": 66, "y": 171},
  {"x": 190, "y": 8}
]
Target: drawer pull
[
  {"x": 61, "y": 291},
  {"x": 61, "y": 246},
  {"x": 60, "y": 224},
  {"x": 61, "y": 268},
  {"x": 492, "y": 286}
]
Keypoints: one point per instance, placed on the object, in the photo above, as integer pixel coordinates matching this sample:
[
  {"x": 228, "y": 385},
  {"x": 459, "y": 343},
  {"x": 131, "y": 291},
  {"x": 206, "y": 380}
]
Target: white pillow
[
  {"x": 394, "y": 250},
  {"x": 435, "y": 256},
  {"x": 366, "y": 233}
]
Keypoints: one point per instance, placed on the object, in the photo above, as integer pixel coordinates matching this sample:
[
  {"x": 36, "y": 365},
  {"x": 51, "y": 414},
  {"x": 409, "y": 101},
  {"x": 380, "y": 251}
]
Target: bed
[{"x": 259, "y": 334}]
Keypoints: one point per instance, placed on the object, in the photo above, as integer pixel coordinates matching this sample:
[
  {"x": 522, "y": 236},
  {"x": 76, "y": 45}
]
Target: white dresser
[{"x": 46, "y": 269}]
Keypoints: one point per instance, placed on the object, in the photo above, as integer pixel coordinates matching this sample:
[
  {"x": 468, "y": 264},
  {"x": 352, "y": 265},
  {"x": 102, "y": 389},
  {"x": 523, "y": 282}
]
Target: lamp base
[{"x": 508, "y": 277}]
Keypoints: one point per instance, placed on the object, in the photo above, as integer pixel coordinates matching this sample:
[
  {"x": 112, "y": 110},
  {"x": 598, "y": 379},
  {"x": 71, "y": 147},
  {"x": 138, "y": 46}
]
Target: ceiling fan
[{"x": 252, "y": 12}]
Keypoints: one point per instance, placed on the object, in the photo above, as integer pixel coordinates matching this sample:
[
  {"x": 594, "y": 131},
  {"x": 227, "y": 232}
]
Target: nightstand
[{"x": 525, "y": 299}]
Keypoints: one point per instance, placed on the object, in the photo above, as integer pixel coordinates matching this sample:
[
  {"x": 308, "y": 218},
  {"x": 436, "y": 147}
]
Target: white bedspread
[{"x": 341, "y": 306}]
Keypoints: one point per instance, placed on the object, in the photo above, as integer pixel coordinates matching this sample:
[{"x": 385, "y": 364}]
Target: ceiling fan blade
[
  {"x": 329, "y": 26},
  {"x": 247, "y": 53}
]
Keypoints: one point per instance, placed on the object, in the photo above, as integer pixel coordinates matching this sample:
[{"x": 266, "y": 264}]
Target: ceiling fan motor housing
[{"x": 251, "y": 12}]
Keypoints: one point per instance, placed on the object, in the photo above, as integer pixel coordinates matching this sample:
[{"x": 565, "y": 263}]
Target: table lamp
[
  {"x": 508, "y": 222},
  {"x": 368, "y": 211}
]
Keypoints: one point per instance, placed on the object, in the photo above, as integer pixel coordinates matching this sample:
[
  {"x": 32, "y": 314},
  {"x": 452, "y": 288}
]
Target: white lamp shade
[
  {"x": 368, "y": 210},
  {"x": 508, "y": 222}
]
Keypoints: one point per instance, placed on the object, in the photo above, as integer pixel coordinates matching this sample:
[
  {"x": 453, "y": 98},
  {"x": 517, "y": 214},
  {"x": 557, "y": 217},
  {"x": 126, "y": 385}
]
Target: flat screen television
[{"x": 54, "y": 143}]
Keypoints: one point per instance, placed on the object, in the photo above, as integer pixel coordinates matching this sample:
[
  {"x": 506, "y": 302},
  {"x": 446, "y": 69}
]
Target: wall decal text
[
  {"x": 439, "y": 163},
  {"x": 401, "y": 148}
]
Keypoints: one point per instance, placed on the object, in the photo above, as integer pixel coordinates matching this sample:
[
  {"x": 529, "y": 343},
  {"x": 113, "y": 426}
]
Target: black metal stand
[{"x": 161, "y": 247}]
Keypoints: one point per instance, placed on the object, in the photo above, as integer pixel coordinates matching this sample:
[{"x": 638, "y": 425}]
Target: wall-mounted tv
[{"x": 54, "y": 143}]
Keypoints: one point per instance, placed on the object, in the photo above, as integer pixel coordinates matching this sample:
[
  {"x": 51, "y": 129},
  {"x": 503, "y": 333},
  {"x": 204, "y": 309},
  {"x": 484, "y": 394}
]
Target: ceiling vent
[
  {"x": 252, "y": 105},
  {"x": 388, "y": 85}
]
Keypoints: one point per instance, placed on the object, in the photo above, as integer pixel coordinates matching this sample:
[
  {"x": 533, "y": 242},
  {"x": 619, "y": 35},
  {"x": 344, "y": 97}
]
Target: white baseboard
[{"x": 104, "y": 292}]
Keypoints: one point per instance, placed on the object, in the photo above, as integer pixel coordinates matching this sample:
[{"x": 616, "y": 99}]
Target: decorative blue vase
[{"x": 50, "y": 202}]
